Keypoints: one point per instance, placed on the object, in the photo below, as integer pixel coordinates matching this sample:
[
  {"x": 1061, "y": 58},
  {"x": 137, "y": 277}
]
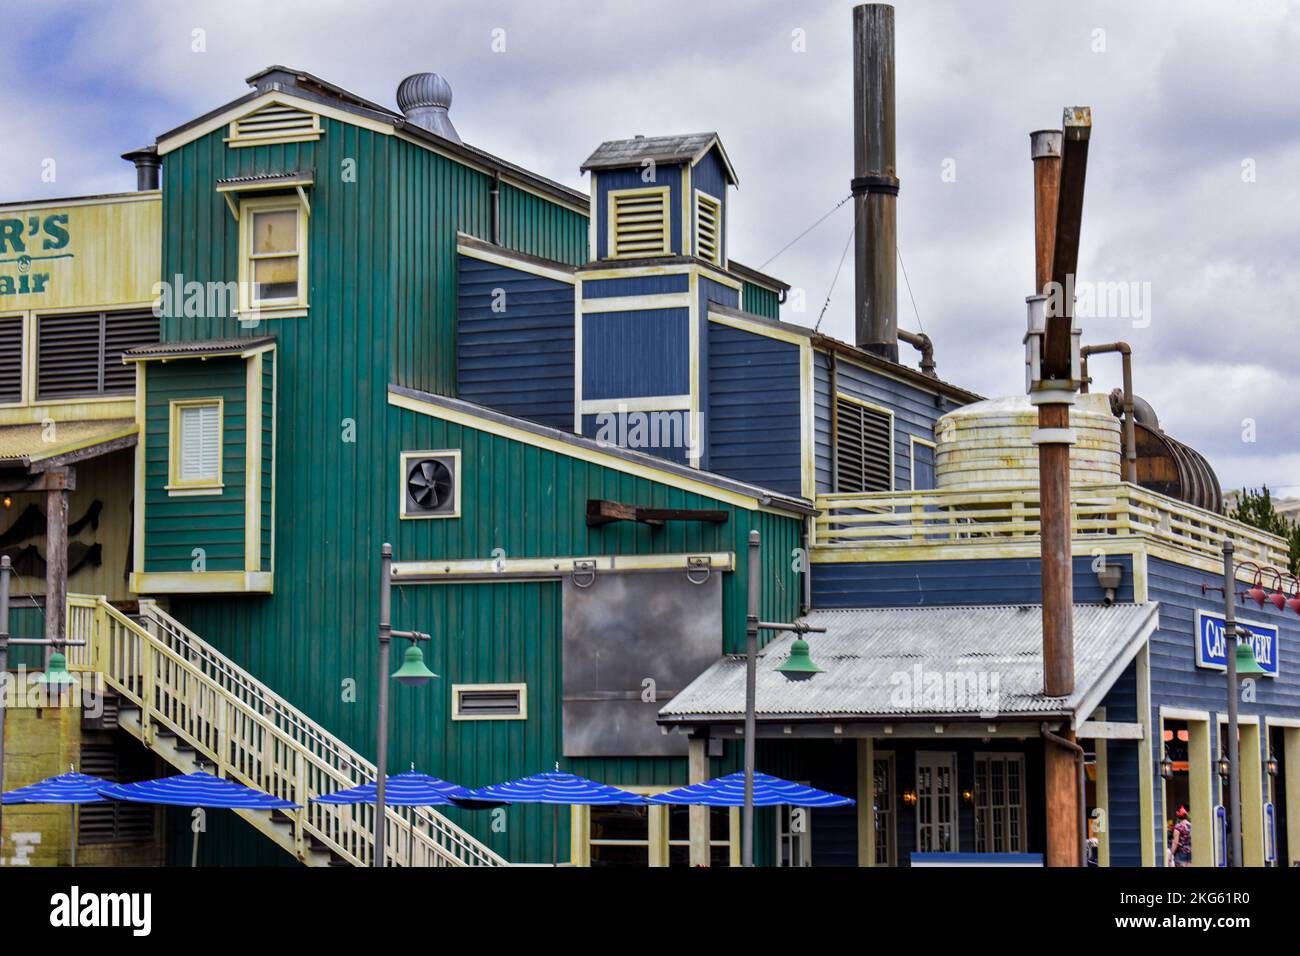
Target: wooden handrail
[
  {"x": 935, "y": 518},
  {"x": 185, "y": 687}
]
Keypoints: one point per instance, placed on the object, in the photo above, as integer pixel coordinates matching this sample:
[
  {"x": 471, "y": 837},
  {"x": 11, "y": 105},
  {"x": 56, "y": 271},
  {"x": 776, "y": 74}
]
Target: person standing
[{"x": 1181, "y": 847}]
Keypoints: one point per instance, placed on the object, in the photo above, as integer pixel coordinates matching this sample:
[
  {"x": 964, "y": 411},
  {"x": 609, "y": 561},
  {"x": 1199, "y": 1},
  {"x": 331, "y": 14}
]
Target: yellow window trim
[
  {"x": 271, "y": 308},
  {"x": 176, "y": 486},
  {"x": 702, "y": 200},
  {"x": 665, "y": 242},
  {"x": 913, "y": 441},
  {"x": 893, "y": 435},
  {"x": 456, "y": 690}
]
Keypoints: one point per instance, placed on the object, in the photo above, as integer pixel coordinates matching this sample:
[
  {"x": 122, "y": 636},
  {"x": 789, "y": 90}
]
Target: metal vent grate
[
  {"x": 499, "y": 702},
  {"x": 11, "y": 360},
  {"x": 275, "y": 122},
  {"x": 863, "y": 445},
  {"x": 708, "y": 228},
  {"x": 639, "y": 222},
  {"x": 114, "y": 821},
  {"x": 81, "y": 354}
]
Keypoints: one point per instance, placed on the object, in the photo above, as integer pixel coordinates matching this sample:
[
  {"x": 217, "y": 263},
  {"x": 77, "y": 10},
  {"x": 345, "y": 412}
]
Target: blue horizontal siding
[
  {"x": 665, "y": 434},
  {"x": 635, "y": 354},
  {"x": 1124, "y": 822},
  {"x": 753, "y": 408},
  {"x": 952, "y": 583},
  {"x": 518, "y": 360},
  {"x": 635, "y": 285}
]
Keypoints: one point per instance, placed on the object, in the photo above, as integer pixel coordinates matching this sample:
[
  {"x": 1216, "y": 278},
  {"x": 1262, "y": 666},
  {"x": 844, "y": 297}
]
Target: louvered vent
[
  {"x": 639, "y": 223},
  {"x": 274, "y": 123},
  {"x": 708, "y": 228},
  {"x": 78, "y": 355},
  {"x": 863, "y": 441},
  {"x": 490, "y": 703},
  {"x": 11, "y": 360},
  {"x": 115, "y": 821}
]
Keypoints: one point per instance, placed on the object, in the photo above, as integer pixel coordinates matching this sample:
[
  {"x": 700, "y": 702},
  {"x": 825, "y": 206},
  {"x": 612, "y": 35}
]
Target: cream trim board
[
  {"x": 695, "y": 378},
  {"x": 248, "y": 107},
  {"x": 593, "y": 218},
  {"x": 592, "y": 455},
  {"x": 613, "y": 216},
  {"x": 520, "y": 689},
  {"x": 578, "y": 371},
  {"x": 650, "y": 403},
  {"x": 176, "y": 485},
  {"x": 1101, "y": 787},
  {"x": 636, "y": 303},
  {"x": 554, "y": 567},
  {"x": 688, "y": 219},
  {"x": 253, "y": 464},
  {"x": 1146, "y": 758},
  {"x": 406, "y": 457},
  {"x": 275, "y": 416},
  {"x": 201, "y": 582},
  {"x": 504, "y": 258},
  {"x": 137, "y": 517},
  {"x": 107, "y": 199},
  {"x": 760, "y": 328},
  {"x": 272, "y": 308},
  {"x": 807, "y": 423}
]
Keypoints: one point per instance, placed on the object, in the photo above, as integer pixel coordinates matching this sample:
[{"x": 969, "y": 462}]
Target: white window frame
[
  {"x": 611, "y": 206},
  {"x": 457, "y": 689},
  {"x": 938, "y": 758},
  {"x": 176, "y": 485},
  {"x": 406, "y": 456},
  {"x": 657, "y": 841},
  {"x": 1006, "y": 807},
  {"x": 249, "y": 307}
]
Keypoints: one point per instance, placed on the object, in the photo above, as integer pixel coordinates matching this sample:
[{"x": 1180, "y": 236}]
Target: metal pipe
[
  {"x": 1079, "y": 761},
  {"x": 1045, "y": 150},
  {"x": 6, "y": 568},
  {"x": 1130, "y": 429},
  {"x": 923, "y": 344},
  {"x": 381, "y": 743},
  {"x": 751, "y": 667},
  {"x": 1230, "y": 658},
  {"x": 148, "y": 167},
  {"x": 875, "y": 182}
]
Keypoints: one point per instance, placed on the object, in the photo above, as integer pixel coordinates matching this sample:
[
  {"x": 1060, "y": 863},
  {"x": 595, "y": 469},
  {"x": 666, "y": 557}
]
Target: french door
[{"x": 936, "y": 802}]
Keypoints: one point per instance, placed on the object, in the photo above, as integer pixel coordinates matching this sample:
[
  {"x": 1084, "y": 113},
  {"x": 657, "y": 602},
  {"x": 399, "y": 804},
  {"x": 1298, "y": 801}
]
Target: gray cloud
[{"x": 1183, "y": 93}]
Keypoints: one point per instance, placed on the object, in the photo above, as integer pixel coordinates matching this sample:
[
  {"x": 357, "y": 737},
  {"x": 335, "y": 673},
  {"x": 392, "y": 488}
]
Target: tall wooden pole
[{"x": 58, "y": 482}]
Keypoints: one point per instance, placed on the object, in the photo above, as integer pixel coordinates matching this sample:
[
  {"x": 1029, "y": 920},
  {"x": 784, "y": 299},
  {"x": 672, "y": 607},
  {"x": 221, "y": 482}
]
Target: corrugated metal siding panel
[
  {"x": 633, "y": 354},
  {"x": 175, "y": 526},
  {"x": 536, "y": 226},
  {"x": 761, "y": 301},
  {"x": 518, "y": 360},
  {"x": 936, "y": 583},
  {"x": 754, "y": 408}
]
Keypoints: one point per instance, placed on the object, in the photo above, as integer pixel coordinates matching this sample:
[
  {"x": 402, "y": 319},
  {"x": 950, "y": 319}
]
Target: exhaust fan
[{"x": 431, "y": 484}]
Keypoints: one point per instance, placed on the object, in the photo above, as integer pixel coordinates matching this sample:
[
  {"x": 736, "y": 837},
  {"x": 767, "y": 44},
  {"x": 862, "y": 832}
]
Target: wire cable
[{"x": 783, "y": 249}]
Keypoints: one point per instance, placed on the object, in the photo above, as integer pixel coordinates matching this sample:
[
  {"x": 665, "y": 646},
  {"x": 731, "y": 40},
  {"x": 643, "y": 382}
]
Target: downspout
[
  {"x": 1083, "y": 800},
  {"x": 1130, "y": 435},
  {"x": 496, "y": 208},
  {"x": 926, "y": 347},
  {"x": 805, "y": 566}
]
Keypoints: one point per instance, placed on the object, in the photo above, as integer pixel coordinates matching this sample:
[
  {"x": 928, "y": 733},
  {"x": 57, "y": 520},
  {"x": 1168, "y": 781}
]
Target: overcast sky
[{"x": 1192, "y": 190}]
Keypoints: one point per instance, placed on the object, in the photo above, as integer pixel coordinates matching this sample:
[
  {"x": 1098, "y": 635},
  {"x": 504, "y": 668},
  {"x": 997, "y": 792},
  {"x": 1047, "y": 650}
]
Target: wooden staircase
[{"x": 197, "y": 709}]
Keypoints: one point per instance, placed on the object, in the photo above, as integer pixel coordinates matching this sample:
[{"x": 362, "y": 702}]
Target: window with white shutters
[
  {"x": 864, "y": 442},
  {"x": 80, "y": 355},
  {"x": 11, "y": 360},
  {"x": 708, "y": 228},
  {"x": 639, "y": 223},
  {"x": 196, "y": 445}
]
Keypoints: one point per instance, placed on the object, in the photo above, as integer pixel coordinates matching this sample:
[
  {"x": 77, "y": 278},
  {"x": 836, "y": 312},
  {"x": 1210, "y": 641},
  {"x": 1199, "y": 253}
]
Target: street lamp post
[
  {"x": 799, "y": 667},
  {"x": 412, "y": 673}
]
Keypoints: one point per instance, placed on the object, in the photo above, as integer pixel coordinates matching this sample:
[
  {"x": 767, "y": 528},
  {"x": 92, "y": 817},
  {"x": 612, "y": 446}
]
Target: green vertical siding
[
  {"x": 176, "y": 525},
  {"x": 760, "y": 301}
]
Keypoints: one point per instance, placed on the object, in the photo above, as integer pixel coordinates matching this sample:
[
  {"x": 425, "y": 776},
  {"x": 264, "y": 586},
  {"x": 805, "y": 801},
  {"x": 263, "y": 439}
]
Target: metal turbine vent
[{"x": 430, "y": 485}]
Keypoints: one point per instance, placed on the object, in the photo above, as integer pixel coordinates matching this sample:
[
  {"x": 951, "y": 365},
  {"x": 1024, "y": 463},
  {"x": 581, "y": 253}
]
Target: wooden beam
[
  {"x": 1065, "y": 246},
  {"x": 42, "y": 481},
  {"x": 602, "y": 511}
]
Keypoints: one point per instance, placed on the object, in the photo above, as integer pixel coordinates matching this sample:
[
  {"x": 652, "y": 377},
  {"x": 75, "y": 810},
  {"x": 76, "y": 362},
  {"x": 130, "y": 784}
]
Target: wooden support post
[
  {"x": 58, "y": 482},
  {"x": 866, "y": 807},
  {"x": 697, "y": 771},
  {"x": 1061, "y": 776}
]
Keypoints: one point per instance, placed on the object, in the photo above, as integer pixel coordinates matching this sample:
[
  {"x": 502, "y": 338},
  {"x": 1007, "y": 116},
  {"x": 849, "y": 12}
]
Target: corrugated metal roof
[
  {"x": 920, "y": 662},
  {"x": 25, "y": 444},
  {"x": 683, "y": 148},
  {"x": 163, "y": 350}
]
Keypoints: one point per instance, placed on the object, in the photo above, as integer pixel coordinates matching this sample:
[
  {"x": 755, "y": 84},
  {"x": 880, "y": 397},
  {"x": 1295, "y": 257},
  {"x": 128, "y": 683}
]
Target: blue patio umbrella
[
  {"x": 196, "y": 789},
  {"x": 557, "y": 788},
  {"x": 769, "y": 791},
  {"x": 410, "y": 789},
  {"x": 71, "y": 789}
]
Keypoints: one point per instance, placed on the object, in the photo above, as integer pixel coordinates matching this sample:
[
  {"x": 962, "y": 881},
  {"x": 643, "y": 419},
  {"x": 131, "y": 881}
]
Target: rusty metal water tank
[{"x": 989, "y": 444}]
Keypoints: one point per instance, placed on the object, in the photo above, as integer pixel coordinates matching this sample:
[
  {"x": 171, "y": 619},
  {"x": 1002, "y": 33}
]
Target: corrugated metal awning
[
  {"x": 25, "y": 445},
  {"x": 955, "y": 663},
  {"x": 199, "y": 348}
]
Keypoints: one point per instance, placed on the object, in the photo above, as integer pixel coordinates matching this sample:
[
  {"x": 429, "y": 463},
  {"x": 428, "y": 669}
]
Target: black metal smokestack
[
  {"x": 147, "y": 167},
  {"x": 875, "y": 181}
]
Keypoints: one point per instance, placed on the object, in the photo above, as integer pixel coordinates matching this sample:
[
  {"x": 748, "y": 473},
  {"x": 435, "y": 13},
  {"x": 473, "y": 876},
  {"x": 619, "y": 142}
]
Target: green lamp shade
[
  {"x": 413, "y": 672},
  {"x": 799, "y": 666},
  {"x": 1247, "y": 666},
  {"x": 56, "y": 675}
]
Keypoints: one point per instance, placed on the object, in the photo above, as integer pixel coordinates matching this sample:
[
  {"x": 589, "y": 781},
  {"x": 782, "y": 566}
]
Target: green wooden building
[{"x": 301, "y": 409}]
